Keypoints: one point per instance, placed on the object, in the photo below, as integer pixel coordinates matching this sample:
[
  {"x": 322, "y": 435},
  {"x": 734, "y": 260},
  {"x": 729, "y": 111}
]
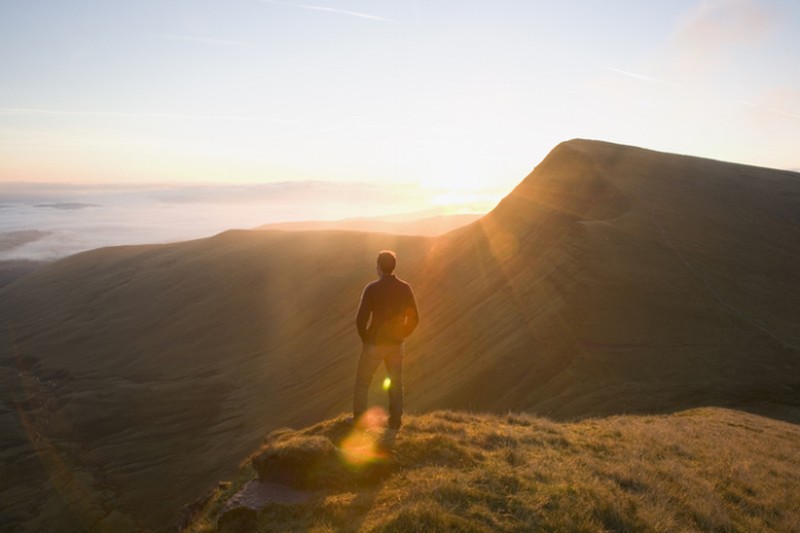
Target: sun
[{"x": 456, "y": 202}]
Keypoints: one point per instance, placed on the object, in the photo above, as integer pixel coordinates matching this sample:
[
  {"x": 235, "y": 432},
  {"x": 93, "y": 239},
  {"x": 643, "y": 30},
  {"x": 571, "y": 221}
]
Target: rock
[
  {"x": 240, "y": 514},
  {"x": 237, "y": 520}
]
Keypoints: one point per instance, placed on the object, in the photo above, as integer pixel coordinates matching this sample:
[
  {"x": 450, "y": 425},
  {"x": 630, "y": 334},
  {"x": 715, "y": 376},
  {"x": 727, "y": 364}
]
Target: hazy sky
[{"x": 453, "y": 94}]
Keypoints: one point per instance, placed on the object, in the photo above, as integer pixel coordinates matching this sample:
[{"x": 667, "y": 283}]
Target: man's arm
[
  {"x": 411, "y": 314},
  {"x": 362, "y": 317}
]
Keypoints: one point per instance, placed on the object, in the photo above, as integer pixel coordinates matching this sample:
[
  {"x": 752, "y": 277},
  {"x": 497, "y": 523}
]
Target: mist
[{"x": 45, "y": 222}]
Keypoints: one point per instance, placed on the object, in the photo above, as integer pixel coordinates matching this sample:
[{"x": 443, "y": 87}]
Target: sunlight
[
  {"x": 362, "y": 446},
  {"x": 461, "y": 201},
  {"x": 502, "y": 243}
]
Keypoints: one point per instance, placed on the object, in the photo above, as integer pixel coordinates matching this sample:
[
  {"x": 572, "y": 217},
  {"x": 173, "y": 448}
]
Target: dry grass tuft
[{"x": 699, "y": 470}]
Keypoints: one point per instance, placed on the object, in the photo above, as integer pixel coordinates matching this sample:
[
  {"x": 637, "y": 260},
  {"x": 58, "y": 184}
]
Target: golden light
[
  {"x": 504, "y": 245},
  {"x": 501, "y": 240},
  {"x": 362, "y": 446},
  {"x": 387, "y": 383},
  {"x": 457, "y": 201}
]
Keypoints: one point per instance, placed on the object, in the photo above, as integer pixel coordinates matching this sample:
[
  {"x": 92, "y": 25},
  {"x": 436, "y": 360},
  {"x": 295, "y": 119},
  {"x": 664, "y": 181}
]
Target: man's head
[{"x": 387, "y": 260}]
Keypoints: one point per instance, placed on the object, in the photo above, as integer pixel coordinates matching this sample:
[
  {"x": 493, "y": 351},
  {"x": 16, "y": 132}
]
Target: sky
[{"x": 448, "y": 96}]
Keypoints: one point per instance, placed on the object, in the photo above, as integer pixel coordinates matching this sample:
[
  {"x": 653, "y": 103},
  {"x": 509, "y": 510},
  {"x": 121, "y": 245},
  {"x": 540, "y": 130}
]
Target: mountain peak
[{"x": 569, "y": 182}]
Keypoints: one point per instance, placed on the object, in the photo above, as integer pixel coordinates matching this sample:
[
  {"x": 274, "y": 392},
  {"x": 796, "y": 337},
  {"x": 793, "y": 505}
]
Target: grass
[{"x": 699, "y": 470}]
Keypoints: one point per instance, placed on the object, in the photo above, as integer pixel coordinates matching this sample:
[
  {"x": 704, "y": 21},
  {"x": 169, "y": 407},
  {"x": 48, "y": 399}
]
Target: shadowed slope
[
  {"x": 133, "y": 365},
  {"x": 612, "y": 279}
]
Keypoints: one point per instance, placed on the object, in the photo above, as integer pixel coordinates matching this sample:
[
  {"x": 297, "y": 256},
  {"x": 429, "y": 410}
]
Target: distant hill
[
  {"x": 431, "y": 226},
  {"x": 13, "y": 269},
  {"x": 611, "y": 280}
]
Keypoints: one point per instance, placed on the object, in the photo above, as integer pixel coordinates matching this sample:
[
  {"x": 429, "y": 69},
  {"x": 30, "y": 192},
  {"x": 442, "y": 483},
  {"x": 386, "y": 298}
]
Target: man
[{"x": 386, "y": 316}]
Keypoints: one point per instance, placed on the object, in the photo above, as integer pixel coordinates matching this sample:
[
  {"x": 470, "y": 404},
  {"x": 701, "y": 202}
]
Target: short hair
[{"x": 387, "y": 260}]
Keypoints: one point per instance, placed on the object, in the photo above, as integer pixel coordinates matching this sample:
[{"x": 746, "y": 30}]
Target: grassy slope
[
  {"x": 151, "y": 360},
  {"x": 646, "y": 282},
  {"x": 700, "y": 470},
  {"x": 429, "y": 226},
  {"x": 611, "y": 280}
]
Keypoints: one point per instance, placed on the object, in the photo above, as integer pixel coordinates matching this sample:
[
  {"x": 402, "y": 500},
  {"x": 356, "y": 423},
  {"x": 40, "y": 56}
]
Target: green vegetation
[{"x": 699, "y": 470}]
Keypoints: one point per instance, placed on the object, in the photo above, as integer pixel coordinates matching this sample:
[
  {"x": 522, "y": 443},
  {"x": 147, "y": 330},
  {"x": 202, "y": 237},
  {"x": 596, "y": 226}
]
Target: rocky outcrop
[
  {"x": 293, "y": 467},
  {"x": 241, "y": 511}
]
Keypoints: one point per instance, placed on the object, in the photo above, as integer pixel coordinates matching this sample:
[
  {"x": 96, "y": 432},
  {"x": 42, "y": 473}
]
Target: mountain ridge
[{"x": 611, "y": 280}]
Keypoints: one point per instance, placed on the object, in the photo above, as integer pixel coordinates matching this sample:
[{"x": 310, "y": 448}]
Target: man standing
[{"x": 386, "y": 316}]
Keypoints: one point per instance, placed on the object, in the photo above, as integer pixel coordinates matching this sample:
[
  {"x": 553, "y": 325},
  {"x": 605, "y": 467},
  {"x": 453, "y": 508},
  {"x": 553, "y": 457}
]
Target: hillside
[
  {"x": 611, "y": 280},
  {"x": 430, "y": 226},
  {"x": 699, "y": 470}
]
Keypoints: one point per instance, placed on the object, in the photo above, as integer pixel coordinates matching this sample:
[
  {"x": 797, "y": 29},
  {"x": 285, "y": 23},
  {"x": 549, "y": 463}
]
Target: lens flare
[
  {"x": 362, "y": 446},
  {"x": 504, "y": 246},
  {"x": 387, "y": 383}
]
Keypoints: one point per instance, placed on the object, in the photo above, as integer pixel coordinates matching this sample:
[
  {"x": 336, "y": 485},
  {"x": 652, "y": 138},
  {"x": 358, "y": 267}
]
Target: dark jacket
[{"x": 390, "y": 302}]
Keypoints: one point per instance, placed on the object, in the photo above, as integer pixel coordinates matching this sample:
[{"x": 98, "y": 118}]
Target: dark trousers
[{"x": 371, "y": 358}]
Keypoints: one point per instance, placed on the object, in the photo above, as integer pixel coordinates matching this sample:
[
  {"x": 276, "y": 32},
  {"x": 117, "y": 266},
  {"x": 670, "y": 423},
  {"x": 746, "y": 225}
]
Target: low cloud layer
[{"x": 50, "y": 221}]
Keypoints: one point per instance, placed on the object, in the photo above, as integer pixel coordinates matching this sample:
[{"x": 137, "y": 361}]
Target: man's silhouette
[{"x": 386, "y": 316}]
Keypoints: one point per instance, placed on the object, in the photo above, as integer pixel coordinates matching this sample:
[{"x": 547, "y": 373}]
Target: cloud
[
  {"x": 707, "y": 33},
  {"x": 713, "y": 23},
  {"x": 329, "y": 10},
  {"x": 139, "y": 214}
]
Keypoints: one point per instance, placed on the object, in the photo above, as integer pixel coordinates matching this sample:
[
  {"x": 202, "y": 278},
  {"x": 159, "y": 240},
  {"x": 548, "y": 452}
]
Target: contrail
[
  {"x": 329, "y": 10},
  {"x": 710, "y": 94}
]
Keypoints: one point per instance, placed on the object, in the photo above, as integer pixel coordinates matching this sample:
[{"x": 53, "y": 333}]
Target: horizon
[
  {"x": 48, "y": 221},
  {"x": 45, "y": 222},
  {"x": 450, "y": 97}
]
